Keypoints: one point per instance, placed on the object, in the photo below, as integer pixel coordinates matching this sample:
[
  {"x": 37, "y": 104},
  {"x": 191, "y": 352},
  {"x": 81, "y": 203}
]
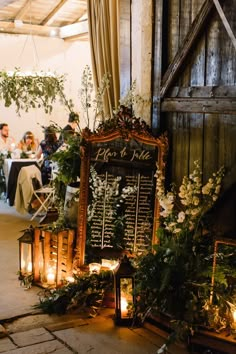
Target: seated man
[{"x": 6, "y": 143}]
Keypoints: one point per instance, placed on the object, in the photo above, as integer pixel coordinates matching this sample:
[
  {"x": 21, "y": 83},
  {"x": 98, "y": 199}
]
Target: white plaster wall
[{"x": 45, "y": 54}]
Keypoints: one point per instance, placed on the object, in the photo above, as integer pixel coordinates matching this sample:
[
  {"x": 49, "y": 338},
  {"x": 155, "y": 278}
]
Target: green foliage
[
  {"x": 35, "y": 91},
  {"x": 85, "y": 294},
  {"x": 171, "y": 280},
  {"x": 26, "y": 280},
  {"x": 68, "y": 161},
  {"x": 176, "y": 279}
]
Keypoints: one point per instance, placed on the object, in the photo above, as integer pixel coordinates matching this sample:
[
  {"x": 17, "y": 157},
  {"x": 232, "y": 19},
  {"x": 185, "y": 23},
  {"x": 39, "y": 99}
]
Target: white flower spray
[{"x": 182, "y": 211}]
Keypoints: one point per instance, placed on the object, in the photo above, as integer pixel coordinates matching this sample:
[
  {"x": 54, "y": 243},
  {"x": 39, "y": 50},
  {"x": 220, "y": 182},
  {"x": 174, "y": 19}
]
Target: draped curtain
[{"x": 103, "y": 21}]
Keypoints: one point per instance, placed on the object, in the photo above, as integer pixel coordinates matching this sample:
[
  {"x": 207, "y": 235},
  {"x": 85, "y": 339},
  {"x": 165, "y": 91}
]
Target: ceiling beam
[
  {"x": 20, "y": 14},
  {"x": 49, "y": 18},
  {"x": 4, "y": 3},
  {"x": 78, "y": 30},
  {"x": 79, "y": 37},
  {"x": 46, "y": 31},
  {"x": 74, "y": 30},
  {"x": 190, "y": 39},
  {"x": 79, "y": 19}
]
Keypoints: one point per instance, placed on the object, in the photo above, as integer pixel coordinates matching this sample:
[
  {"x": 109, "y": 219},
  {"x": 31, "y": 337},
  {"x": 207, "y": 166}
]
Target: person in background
[
  {"x": 69, "y": 129},
  {"x": 46, "y": 148},
  {"x": 28, "y": 143},
  {"x": 6, "y": 143}
]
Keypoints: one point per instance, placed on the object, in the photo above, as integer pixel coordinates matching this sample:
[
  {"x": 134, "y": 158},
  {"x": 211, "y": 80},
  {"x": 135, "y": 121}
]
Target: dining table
[{"x": 11, "y": 170}]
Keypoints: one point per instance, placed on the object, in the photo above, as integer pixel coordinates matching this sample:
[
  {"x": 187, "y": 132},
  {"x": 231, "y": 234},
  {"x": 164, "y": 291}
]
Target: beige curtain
[{"x": 103, "y": 21}]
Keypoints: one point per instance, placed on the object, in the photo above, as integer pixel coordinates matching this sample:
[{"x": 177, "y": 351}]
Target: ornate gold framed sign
[{"x": 118, "y": 209}]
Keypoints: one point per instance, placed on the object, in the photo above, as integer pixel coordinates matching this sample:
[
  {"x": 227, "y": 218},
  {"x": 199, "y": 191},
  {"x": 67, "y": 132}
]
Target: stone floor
[
  {"x": 70, "y": 334},
  {"x": 24, "y": 330},
  {"x": 14, "y": 300}
]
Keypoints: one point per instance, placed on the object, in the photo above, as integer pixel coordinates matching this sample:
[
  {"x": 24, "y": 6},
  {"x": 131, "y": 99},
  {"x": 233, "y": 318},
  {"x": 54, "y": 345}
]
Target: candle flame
[
  {"x": 123, "y": 304},
  {"x": 29, "y": 267},
  {"x": 234, "y": 315}
]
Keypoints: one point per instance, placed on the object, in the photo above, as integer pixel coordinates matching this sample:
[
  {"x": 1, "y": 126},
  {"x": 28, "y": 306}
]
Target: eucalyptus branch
[{"x": 36, "y": 90}]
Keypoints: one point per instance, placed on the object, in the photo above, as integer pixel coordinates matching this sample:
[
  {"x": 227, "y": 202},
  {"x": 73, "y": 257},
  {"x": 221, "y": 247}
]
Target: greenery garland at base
[{"x": 85, "y": 294}]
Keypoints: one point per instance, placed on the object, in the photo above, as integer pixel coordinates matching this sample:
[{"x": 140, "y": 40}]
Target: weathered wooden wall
[
  {"x": 193, "y": 84},
  {"x": 199, "y": 108}
]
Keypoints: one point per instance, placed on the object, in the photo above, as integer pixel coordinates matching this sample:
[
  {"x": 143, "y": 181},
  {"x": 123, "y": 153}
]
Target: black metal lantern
[
  {"x": 124, "y": 292},
  {"x": 26, "y": 252}
]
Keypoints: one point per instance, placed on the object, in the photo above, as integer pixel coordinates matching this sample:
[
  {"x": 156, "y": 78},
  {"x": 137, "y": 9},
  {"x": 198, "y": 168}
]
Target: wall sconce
[{"x": 124, "y": 292}]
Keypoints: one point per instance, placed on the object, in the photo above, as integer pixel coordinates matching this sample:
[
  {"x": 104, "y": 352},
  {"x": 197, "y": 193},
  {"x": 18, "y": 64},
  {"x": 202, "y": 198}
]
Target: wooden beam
[
  {"x": 74, "y": 30},
  {"x": 50, "y": 16},
  {"x": 225, "y": 22},
  {"x": 157, "y": 65},
  {"x": 46, "y": 31},
  {"x": 4, "y": 3},
  {"x": 20, "y": 14},
  {"x": 79, "y": 37},
  {"x": 202, "y": 91},
  {"x": 125, "y": 47},
  {"x": 188, "y": 43},
  {"x": 83, "y": 17},
  {"x": 200, "y": 105}
]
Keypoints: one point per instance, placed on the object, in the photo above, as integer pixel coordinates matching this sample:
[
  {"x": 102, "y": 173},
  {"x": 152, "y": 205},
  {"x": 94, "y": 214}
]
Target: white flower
[
  {"x": 177, "y": 231},
  {"x": 164, "y": 213},
  {"x": 162, "y": 350},
  {"x": 195, "y": 211},
  {"x": 205, "y": 190},
  {"x": 196, "y": 201},
  {"x": 181, "y": 217}
]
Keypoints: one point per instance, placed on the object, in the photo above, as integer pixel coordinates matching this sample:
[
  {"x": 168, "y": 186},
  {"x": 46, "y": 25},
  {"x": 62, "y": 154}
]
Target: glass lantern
[
  {"x": 124, "y": 292},
  {"x": 26, "y": 254}
]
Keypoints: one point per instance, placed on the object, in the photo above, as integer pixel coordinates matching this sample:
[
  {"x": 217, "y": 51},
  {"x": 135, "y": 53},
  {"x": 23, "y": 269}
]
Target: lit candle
[
  {"x": 70, "y": 279},
  {"x": 29, "y": 267},
  {"x": 23, "y": 265},
  {"x": 50, "y": 277},
  {"x": 233, "y": 324},
  {"x": 94, "y": 268},
  {"x": 109, "y": 263},
  {"x": 123, "y": 307},
  {"x": 234, "y": 315}
]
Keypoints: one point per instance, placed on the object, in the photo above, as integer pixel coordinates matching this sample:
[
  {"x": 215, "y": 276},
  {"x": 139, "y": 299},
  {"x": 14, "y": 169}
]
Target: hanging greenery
[{"x": 32, "y": 91}]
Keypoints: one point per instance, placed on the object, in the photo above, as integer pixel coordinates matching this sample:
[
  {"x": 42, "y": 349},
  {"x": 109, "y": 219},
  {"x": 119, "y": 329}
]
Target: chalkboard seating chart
[{"x": 127, "y": 199}]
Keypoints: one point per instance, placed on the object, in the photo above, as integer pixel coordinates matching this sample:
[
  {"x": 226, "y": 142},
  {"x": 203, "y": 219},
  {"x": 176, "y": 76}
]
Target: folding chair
[{"x": 47, "y": 192}]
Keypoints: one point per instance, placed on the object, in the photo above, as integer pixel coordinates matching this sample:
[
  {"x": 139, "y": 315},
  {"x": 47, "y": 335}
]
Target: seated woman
[
  {"x": 46, "y": 148},
  {"x": 28, "y": 143}
]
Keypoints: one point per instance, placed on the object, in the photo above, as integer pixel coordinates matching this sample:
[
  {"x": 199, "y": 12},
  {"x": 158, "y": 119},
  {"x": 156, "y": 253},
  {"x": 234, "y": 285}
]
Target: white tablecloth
[{"x": 8, "y": 163}]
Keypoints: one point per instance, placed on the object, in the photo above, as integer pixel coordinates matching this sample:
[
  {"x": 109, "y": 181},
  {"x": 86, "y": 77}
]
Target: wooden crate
[{"x": 53, "y": 252}]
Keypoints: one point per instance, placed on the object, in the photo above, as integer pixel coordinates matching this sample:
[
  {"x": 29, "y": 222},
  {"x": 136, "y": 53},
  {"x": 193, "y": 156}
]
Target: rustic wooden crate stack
[{"x": 57, "y": 250}]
